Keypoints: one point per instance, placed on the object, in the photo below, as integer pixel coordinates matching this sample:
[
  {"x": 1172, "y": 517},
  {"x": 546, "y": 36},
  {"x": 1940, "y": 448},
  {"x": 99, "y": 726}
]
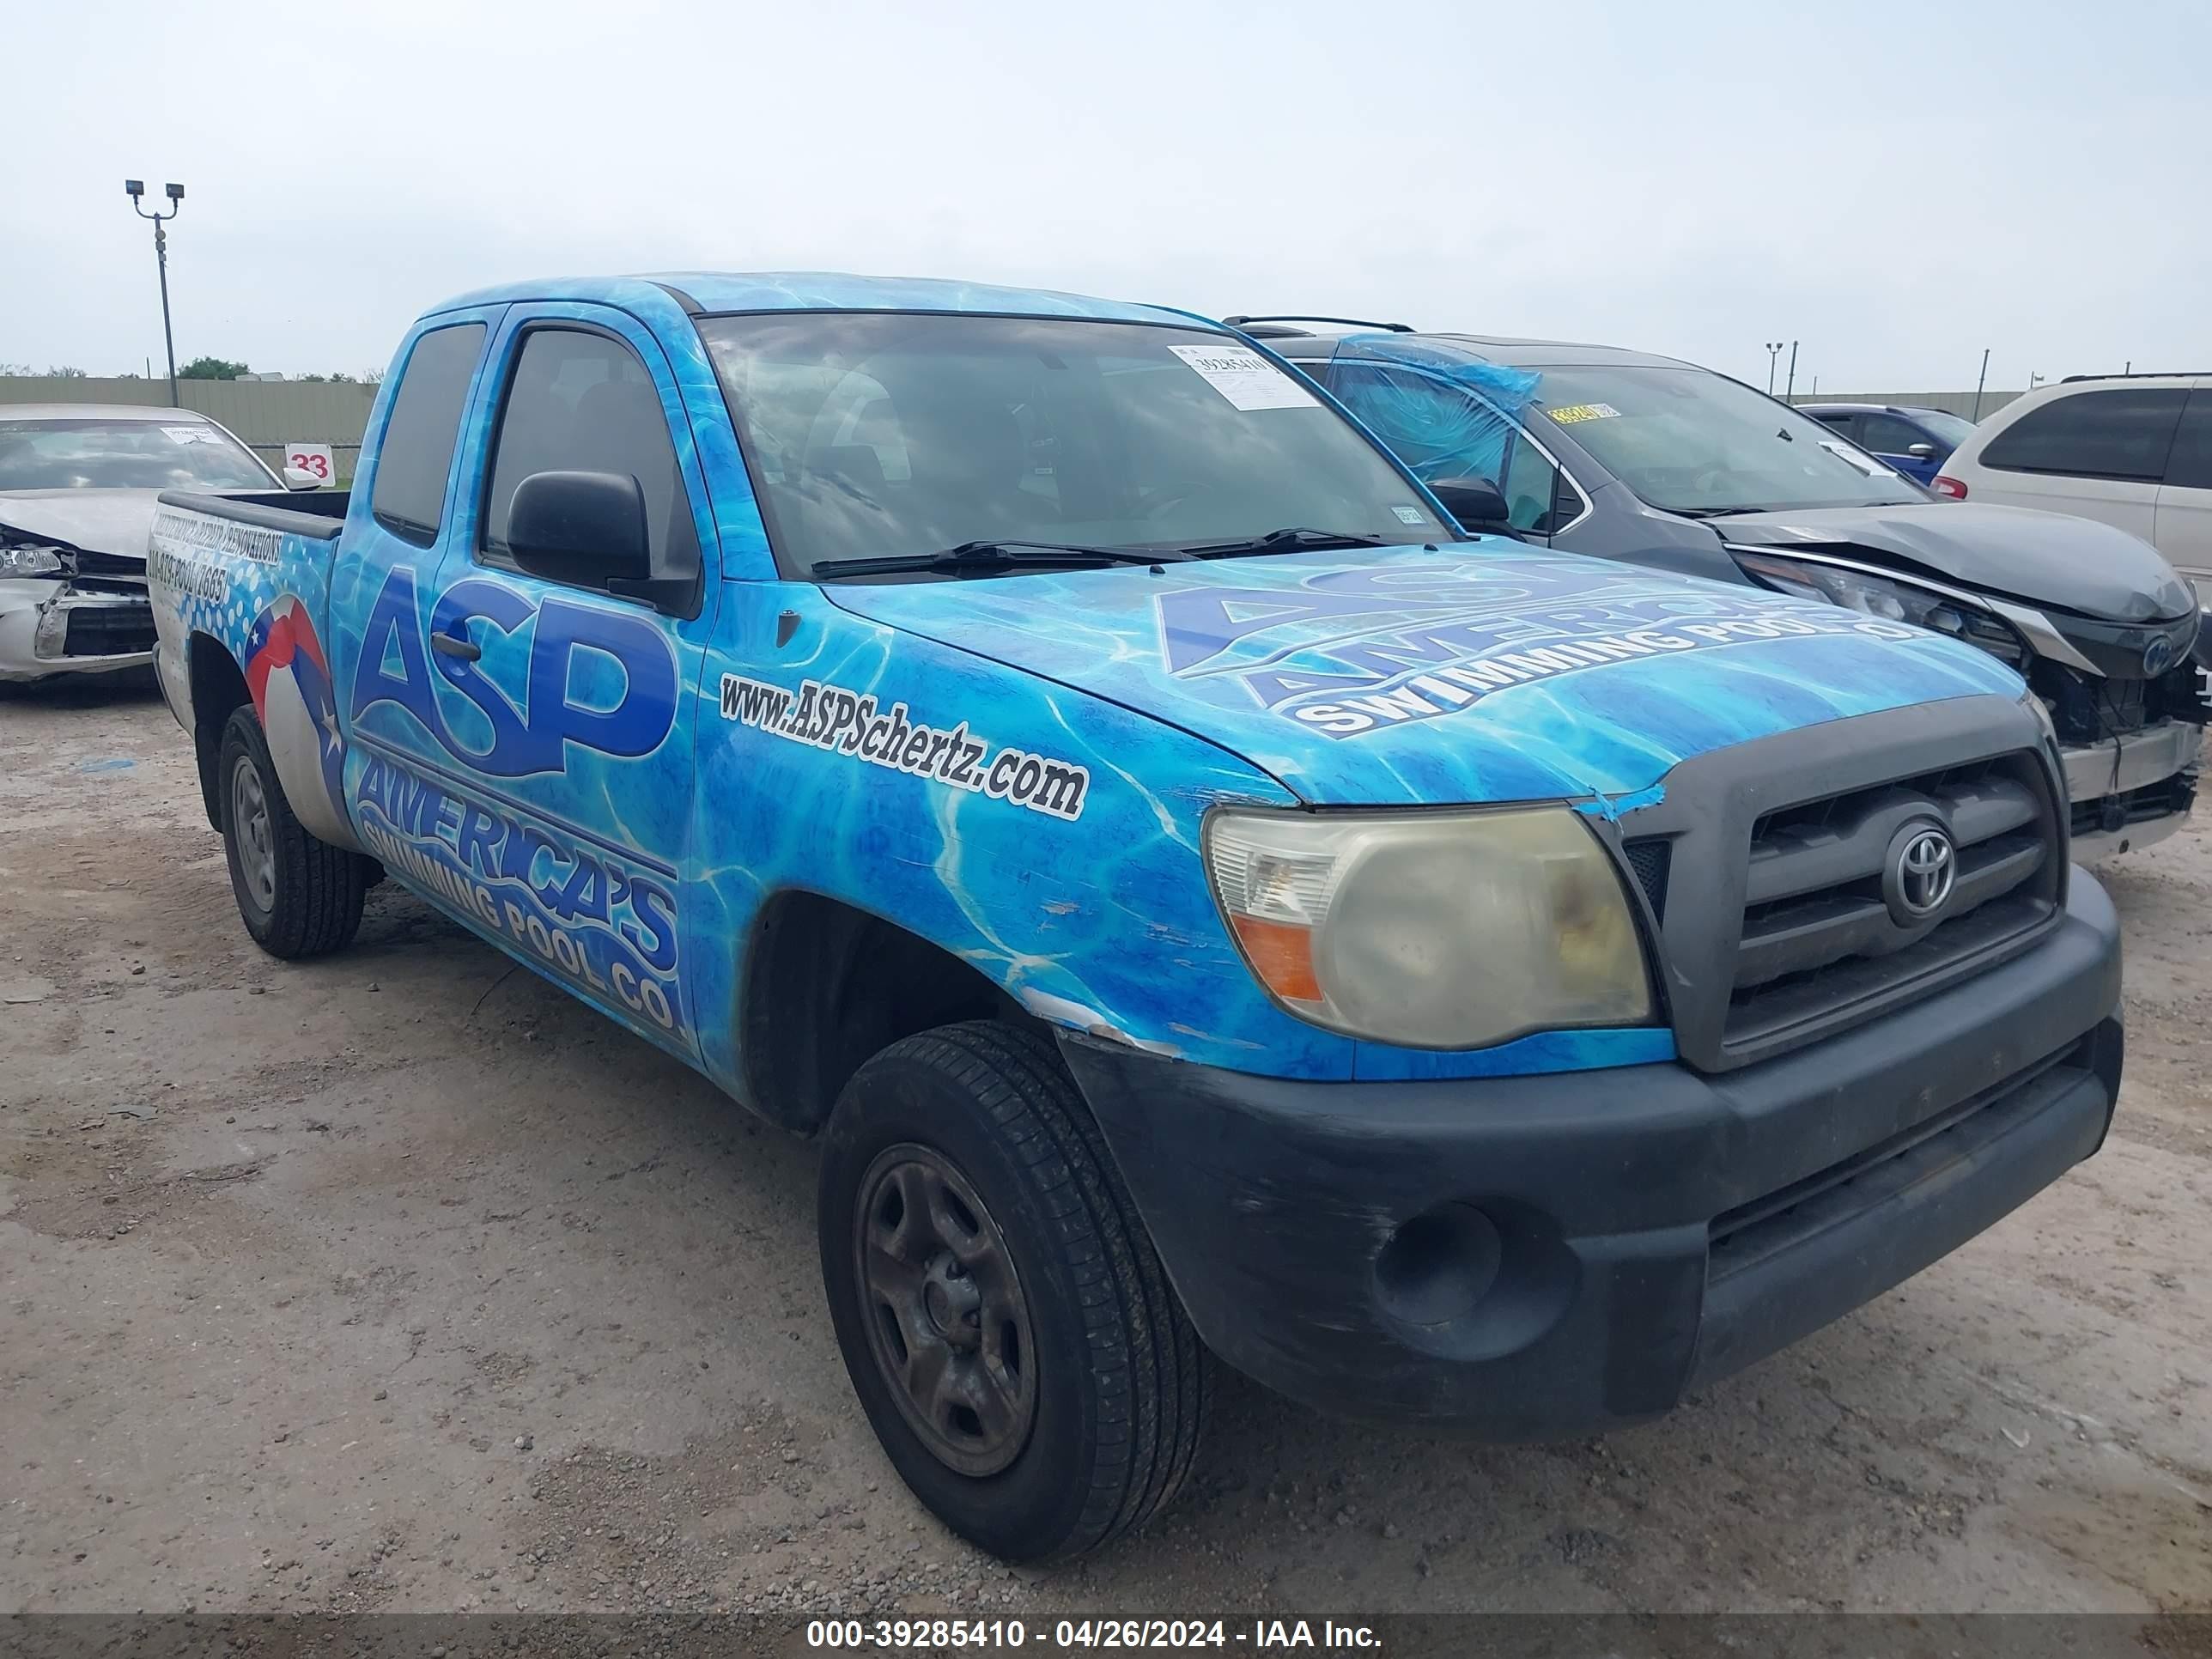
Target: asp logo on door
[
  {"x": 565, "y": 888},
  {"x": 602, "y": 679}
]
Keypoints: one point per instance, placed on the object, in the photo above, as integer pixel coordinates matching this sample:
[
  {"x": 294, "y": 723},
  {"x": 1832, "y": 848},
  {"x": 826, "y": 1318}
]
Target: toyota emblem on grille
[
  {"x": 1923, "y": 867},
  {"x": 2158, "y": 657}
]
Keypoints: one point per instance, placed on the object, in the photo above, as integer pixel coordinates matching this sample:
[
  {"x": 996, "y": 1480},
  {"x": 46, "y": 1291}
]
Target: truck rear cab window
[
  {"x": 581, "y": 401},
  {"x": 2116, "y": 434},
  {"x": 417, "y": 454}
]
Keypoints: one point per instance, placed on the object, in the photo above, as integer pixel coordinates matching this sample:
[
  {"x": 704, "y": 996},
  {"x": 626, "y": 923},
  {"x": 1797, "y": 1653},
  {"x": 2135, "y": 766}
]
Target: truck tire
[
  {"x": 299, "y": 897},
  {"x": 1003, "y": 1315}
]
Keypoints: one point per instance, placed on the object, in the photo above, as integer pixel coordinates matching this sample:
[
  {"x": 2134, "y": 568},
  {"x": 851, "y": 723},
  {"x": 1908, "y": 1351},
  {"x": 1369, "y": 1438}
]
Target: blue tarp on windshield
[{"x": 1443, "y": 415}]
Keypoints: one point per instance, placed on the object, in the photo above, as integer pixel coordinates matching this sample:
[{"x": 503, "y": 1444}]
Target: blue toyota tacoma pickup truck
[{"x": 1200, "y": 899}]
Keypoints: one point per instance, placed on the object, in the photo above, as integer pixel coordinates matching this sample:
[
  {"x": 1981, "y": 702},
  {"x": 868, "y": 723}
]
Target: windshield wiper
[
  {"x": 1295, "y": 539},
  {"x": 994, "y": 556}
]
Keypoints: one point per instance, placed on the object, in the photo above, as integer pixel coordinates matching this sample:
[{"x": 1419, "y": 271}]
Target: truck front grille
[
  {"x": 1818, "y": 932},
  {"x": 1773, "y": 872}
]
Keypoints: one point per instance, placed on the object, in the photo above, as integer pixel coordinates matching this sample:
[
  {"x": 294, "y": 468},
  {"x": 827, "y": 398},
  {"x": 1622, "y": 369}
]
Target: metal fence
[
  {"x": 1957, "y": 402},
  {"x": 266, "y": 414},
  {"x": 271, "y": 414}
]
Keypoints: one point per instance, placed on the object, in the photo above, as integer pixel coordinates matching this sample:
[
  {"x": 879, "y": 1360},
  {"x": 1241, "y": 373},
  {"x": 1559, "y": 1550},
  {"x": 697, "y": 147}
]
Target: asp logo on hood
[{"x": 1346, "y": 651}]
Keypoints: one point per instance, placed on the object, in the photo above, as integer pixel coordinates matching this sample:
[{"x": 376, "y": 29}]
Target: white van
[{"x": 2132, "y": 450}]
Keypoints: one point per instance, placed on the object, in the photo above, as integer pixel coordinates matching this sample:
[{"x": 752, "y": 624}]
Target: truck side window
[
  {"x": 582, "y": 401},
  {"x": 417, "y": 450}
]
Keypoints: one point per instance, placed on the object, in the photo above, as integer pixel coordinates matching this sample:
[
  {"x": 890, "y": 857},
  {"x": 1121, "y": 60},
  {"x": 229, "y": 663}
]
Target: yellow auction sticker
[{"x": 1568, "y": 414}]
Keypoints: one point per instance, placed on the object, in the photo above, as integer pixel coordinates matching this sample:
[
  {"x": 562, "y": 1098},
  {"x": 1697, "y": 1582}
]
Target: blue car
[
  {"x": 1916, "y": 441},
  {"x": 1198, "y": 898}
]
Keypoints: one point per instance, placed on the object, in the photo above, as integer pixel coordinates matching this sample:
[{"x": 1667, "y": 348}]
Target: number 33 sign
[{"x": 312, "y": 458}]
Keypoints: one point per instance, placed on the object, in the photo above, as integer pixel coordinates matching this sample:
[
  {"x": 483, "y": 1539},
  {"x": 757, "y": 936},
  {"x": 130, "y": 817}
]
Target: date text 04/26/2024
[{"x": 1258, "y": 1636}]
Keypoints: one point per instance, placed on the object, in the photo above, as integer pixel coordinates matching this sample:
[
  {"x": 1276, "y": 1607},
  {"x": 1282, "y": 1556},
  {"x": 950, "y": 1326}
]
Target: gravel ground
[{"x": 400, "y": 1282}]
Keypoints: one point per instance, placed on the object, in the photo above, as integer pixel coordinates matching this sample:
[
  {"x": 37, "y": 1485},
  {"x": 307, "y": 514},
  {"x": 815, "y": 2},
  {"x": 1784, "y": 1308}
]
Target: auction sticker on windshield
[
  {"x": 1568, "y": 414},
  {"x": 1245, "y": 378},
  {"x": 1865, "y": 463}
]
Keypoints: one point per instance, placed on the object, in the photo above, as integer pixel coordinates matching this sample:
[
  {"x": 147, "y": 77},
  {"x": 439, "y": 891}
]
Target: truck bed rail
[{"x": 318, "y": 515}]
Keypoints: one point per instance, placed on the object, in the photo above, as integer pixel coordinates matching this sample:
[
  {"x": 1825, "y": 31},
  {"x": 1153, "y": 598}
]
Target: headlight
[
  {"x": 1431, "y": 930},
  {"x": 27, "y": 560},
  {"x": 1883, "y": 596}
]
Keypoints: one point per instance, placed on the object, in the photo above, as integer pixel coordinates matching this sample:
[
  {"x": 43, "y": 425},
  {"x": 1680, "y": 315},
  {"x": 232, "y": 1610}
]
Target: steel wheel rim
[
  {"x": 947, "y": 1322},
  {"x": 249, "y": 834}
]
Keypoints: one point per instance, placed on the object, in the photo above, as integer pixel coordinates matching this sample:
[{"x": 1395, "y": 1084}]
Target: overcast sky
[{"x": 1897, "y": 185}]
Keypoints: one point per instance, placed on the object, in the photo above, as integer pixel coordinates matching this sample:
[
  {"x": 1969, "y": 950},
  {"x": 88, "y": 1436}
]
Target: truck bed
[{"x": 316, "y": 513}]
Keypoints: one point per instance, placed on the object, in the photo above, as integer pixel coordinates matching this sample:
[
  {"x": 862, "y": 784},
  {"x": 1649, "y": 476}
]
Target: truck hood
[
  {"x": 1476, "y": 671},
  {"x": 110, "y": 521},
  {"x": 2043, "y": 558}
]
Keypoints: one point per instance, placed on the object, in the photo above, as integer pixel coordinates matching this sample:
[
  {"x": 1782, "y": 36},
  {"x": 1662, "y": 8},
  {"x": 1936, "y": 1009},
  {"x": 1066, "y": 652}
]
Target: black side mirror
[
  {"x": 1923, "y": 452},
  {"x": 1472, "y": 501},
  {"x": 586, "y": 529}
]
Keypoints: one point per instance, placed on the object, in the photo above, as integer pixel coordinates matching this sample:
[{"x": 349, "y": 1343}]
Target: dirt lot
[{"x": 401, "y": 1282}]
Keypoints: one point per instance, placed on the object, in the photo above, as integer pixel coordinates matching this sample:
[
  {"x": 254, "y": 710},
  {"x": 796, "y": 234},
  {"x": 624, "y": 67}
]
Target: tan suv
[{"x": 2134, "y": 451}]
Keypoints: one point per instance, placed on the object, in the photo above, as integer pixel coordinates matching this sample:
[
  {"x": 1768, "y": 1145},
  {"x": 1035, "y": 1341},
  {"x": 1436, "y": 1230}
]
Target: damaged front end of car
[
  {"x": 69, "y": 609},
  {"x": 2125, "y": 698}
]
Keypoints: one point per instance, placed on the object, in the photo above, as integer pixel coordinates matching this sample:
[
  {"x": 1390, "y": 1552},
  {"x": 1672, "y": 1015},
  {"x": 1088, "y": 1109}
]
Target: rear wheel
[
  {"x": 299, "y": 897},
  {"x": 1003, "y": 1316}
]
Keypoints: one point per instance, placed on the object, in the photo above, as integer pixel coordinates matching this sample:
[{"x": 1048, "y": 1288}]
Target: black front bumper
[{"x": 1541, "y": 1257}]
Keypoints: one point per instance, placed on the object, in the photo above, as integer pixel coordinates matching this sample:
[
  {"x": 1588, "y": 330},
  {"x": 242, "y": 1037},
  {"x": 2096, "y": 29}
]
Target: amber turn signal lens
[{"x": 1281, "y": 955}]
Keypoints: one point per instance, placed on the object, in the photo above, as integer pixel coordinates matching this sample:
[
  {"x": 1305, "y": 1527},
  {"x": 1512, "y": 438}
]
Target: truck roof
[{"x": 703, "y": 292}]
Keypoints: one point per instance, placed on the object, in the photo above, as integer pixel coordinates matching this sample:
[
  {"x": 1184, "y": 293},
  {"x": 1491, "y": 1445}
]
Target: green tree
[{"x": 212, "y": 369}]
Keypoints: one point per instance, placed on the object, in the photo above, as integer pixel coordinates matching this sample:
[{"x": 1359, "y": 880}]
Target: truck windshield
[
  {"x": 877, "y": 434},
  {"x": 112, "y": 454},
  {"x": 1689, "y": 440}
]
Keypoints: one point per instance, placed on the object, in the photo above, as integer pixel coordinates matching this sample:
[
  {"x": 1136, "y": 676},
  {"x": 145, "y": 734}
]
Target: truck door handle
[{"x": 456, "y": 644}]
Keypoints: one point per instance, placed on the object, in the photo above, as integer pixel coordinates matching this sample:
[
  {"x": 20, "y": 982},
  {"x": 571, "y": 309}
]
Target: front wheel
[
  {"x": 1004, "y": 1318},
  {"x": 299, "y": 896}
]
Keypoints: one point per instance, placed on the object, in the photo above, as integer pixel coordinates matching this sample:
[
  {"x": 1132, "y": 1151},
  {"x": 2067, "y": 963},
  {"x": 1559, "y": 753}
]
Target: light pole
[
  {"x": 136, "y": 189},
  {"x": 1983, "y": 381},
  {"x": 1789, "y": 392},
  {"x": 1773, "y": 351}
]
